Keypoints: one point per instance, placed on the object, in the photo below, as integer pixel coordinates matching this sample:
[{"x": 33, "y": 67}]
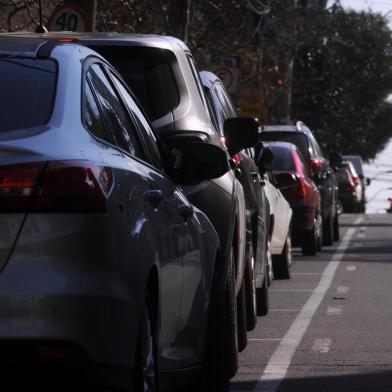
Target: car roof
[
  {"x": 299, "y": 127},
  {"x": 15, "y": 46},
  {"x": 103, "y": 39},
  {"x": 289, "y": 146},
  {"x": 209, "y": 79}
]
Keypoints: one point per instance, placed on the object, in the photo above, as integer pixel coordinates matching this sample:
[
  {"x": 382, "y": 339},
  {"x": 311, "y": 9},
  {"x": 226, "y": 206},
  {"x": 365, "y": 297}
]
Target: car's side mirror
[
  {"x": 202, "y": 161},
  {"x": 240, "y": 133},
  {"x": 285, "y": 181},
  {"x": 264, "y": 158},
  {"x": 368, "y": 181}
]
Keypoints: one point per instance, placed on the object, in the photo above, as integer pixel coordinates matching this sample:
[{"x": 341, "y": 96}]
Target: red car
[{"x": 295, "y": 182}]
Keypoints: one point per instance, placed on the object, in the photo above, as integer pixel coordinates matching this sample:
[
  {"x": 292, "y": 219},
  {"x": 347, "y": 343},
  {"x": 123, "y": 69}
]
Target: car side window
[
  {"x": 92, "y": 118},
  {"x": 226, "y": 101},
  {"x": 143, "y": 125},
  {"x": 116, "y": 116}
]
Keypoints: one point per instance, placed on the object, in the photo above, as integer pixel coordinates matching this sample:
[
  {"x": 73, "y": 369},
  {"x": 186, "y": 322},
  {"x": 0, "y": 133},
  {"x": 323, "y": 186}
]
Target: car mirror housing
[
  {"x": 240, "y": 133},
  {"x": 264, "y": 158},
  {"x": 202, "y": 161},
  {"x": 368, "y": 181}
]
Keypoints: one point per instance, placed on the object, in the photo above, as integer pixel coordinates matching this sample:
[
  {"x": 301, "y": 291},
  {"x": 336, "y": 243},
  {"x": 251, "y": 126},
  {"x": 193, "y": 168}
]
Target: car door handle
[
  {"x": 154, "y": 196},
  {"x": 185, "y": 210}
]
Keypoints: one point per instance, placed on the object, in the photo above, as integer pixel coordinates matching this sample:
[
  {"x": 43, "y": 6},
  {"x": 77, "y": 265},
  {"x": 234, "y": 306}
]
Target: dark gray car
[
  {"x": 257, "y": 208},
  {"x": 105, "y": 264}
]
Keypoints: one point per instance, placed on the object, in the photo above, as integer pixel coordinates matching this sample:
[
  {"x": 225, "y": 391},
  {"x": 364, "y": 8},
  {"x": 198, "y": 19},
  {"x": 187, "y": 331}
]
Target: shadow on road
[{"x": 378, "y": 381}]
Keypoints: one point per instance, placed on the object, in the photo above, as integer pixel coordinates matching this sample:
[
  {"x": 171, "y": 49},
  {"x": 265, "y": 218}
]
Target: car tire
[
  {"x": 319, "y": 232},
  {"x": 250, "y": 291},
  {"x": 281, "y": 264},
  {"x": 262, "y": 296},
  {"x": 241, "y": 319},
  {"x": 328, "y": 230},
  {"x": 221, "y": 346},
  {"x": 336, "y": 228},
  {"x": 268, "y": 260},
  {"x": 309, "y": 243},
  {"x": 145, "y": 361}
]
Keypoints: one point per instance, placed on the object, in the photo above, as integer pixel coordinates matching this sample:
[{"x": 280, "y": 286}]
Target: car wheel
[
  {"x": 250, "y": 289},
  {"x": 328, "y": 230},
  {"x": 336, "y": 228},
  {"x": 268, "y": 259},
  {"x": 262, "y": 296},
  {"x": 221, "y": 352},
  {"x": 281, "y": 264},
  {"x": 145, "y": 364},
  {"x": 231, "y": 316},
  {"x": 241, "y": 319},
  {"x": 319, "y": 232},
  {"x": 309, "y": 242}
]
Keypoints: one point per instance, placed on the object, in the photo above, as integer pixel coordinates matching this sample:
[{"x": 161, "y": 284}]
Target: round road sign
[
  {"x": 226, "y": 75},
  {"x": 69, "y": 17}
]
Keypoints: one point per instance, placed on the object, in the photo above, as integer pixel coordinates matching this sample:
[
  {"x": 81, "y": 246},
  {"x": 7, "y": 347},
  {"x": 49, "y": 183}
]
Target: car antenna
[{"x": 40, "y": 28}]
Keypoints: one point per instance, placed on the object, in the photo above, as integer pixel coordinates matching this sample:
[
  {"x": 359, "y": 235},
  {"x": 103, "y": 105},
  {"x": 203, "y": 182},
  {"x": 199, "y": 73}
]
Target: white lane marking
[
  {"x": 321, "y": 346},
  {"x": 278, "y": 364},
  {"x": 285, "y": 310},
  {"x": 291, "y": 291},
  {"x": 334, "y": 310},
  {"x": 264, "y": 340},
  {"x": 351, "y": 268},
  {"x": 343, "y": 289}
]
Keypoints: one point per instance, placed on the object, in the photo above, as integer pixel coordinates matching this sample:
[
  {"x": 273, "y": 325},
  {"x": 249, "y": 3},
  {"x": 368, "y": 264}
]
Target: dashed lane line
[
  {"x": 278, "y": 364},
  {"x": 334, "y": 310},
  {"x": 343, "y": 289},
  {"x": 321, "y": 346},
  {"x": 351, "y": 268}
]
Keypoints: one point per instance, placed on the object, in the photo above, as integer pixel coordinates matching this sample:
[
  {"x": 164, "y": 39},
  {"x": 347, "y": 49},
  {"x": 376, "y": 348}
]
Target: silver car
[{"x": 105, "y": 264}]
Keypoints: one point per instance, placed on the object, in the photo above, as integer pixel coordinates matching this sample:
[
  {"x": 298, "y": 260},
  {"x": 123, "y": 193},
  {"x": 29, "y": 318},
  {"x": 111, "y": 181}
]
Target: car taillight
[
  {"x": 299, "y": 192},
  {"x": 316, "y": 165},
  {"x": 16, "y": 186},
  {"x": 356, "y": 180},
  {"x": 69, "y": 186},
  {"x": 236, "y": 158}
]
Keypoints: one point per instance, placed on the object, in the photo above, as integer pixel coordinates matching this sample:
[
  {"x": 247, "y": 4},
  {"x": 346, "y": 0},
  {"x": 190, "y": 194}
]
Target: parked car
[
  {"x": 355, "y": 205},
  {"x": 348, "y": 190},
  {"x": 105, "y": 264},
  {"x": 225, "y": 117},
  {"x": 295, "y": 182},
  {"x": 163, "y": 75},
  {"x": 319, "y": 167},
  {"x": 357, "y": 162},
  {"x": 279, "y": 241}
]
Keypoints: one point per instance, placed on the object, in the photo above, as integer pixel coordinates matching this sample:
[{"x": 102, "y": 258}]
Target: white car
[{"x": 279, "y": 244}]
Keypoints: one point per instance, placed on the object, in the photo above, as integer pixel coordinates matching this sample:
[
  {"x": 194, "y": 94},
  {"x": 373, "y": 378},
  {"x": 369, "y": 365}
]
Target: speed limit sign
[{"x": 69, "y": 17}]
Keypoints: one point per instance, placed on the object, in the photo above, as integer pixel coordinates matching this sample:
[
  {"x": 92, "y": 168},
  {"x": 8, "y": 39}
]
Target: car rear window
[
  {"x": 342, "y": 176},
  {"x": 356, "y": 162},
  {"x": 147, "y": 71},
  {"x": 27, "y": 89},
  {"x": 283, "y": 159},
  {"x": 299, "y": 139}
]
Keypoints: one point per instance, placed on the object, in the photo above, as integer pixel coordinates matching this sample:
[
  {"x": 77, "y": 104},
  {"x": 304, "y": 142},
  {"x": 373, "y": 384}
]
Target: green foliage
[{"x": 342, "y": 76}]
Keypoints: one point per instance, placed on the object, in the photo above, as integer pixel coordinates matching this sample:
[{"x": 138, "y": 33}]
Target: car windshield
[
  {"x": 148, "y": 72},
  {"x": 283, "y": 159},
  {"x": 27, "y": 92},
  {"x": 299, "y": 139}
]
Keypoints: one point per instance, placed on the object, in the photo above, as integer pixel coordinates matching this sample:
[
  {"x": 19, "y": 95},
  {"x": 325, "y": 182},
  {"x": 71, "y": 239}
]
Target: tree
[{"x": 343, "y": 74}]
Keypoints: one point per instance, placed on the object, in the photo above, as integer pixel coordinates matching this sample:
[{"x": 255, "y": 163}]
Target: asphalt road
[{"x": 330, "y": 326}]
